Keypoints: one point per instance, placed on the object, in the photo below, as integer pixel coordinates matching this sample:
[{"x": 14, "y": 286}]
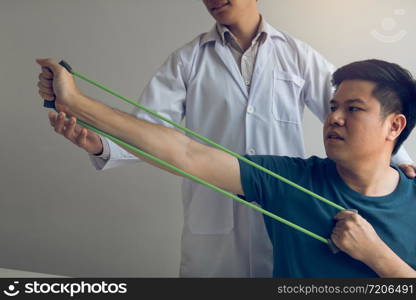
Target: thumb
[{"x": 49, "y": 63}]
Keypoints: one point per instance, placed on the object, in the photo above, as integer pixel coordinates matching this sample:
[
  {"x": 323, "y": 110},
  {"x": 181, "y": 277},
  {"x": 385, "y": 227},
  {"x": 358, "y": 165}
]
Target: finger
[
  {"x": 336, "y": 239},
  {"x": 52, "y": 118},
  {"x": 409, "y": 170},
  {"x": 339, "y": 230},
  {"x": 340, "y": 223},
  {"x": 342, "y": 228},
  {"x": 45, "y": 90},
  {"x": 50, "y": 64},
  {"x": 336, "y": 231},
  {"x": 82, "y": 138},
  {"x": 344, "y": 214},
  {"x": 60, "y": 122},
  {"x": 47, "y": 74},
  {"x": 47, "y": 96},
  {"x": 69, "y": 131},
  {"x": 42, "y": 77},
  {"x": 45, "y": 83},
  {"x": 45, "y": 77},
  {"x": 78, "y": 129}
]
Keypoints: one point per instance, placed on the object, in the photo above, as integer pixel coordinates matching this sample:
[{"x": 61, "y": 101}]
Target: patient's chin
[{"x": 335, "y": 156}]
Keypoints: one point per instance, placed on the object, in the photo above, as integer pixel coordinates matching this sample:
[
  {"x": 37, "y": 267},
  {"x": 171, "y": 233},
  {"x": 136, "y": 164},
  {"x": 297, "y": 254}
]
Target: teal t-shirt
[{"x": 298, "y": 255}]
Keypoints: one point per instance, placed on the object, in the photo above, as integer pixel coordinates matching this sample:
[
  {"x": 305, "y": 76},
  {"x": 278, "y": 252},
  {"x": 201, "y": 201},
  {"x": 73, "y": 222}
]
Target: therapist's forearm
[{"x": 163, "y": 142}]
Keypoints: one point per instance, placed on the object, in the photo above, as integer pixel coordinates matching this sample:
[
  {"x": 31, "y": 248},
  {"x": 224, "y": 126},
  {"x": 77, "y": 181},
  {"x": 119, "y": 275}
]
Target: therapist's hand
[
  {"x": 83, "y": 138},
  {"x": 355, "y": 236},
  {"x": 409, "y": 170},
  {"x": 55, "y": 82}
]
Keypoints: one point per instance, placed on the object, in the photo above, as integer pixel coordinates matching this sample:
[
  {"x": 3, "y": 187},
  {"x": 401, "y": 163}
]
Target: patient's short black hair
[{"x": 395, "y": 89}]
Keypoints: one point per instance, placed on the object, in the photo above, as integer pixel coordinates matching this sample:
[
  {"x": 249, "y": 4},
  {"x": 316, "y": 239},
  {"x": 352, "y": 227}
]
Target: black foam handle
[
  {"x": 66, "y": 66},
  {"x": 334, "y": 249},
  {"x": 51, "y": 103}
]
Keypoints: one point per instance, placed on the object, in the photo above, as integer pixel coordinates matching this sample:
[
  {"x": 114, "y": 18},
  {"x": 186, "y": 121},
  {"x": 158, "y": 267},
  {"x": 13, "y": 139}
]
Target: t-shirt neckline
[{"x": 340, "y": 183}]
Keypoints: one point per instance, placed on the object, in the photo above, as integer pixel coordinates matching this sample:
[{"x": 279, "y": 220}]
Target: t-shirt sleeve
[{"x": 261, "y": 187}]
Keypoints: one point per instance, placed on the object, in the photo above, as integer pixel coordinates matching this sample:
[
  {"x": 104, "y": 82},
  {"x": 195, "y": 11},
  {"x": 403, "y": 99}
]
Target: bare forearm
[
  {"x": 386, "y": 263},
  {"x": 165, "y": 143},
  {"x": 172, "y": 146}
]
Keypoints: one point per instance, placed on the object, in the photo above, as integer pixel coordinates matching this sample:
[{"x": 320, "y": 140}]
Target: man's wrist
[
  {"x": 105, "y": 150},
  {"x": 77, "y": 103},
  {"x": 99, "y": 153},
  {"x": 378, "y": 260}
]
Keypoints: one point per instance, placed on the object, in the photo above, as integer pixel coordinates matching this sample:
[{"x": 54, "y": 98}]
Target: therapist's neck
[{"x": 245, "y": 29}]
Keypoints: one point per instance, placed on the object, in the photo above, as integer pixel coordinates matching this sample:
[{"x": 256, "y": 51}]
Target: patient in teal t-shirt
[
  {"x": 393, "y": 215},
  {"x": 373, "y": 111}
]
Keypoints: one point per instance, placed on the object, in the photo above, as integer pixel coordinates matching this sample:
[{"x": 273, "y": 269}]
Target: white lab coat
[{"x": 222, "y": 238}]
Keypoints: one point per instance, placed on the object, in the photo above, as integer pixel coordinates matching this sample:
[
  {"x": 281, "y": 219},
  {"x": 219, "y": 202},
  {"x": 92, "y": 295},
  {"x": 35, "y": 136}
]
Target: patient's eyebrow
[{"x": 349, "y": 101}]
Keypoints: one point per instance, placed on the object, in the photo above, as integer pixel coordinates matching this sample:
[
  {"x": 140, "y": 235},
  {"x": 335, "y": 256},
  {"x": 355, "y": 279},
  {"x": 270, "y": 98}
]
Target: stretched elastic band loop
[{"x": 51, "y": 104}]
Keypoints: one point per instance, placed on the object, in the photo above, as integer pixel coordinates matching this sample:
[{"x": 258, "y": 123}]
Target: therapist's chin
[{"x": 225, "y": 19}]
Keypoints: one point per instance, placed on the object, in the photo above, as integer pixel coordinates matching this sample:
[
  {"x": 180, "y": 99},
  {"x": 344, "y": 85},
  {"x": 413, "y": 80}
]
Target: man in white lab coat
[{"x": 244, "y": 85}]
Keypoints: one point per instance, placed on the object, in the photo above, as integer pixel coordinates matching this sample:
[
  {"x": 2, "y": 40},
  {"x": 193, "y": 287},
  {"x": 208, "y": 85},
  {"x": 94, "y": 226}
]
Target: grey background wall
[{"x": 60, "y": 216}]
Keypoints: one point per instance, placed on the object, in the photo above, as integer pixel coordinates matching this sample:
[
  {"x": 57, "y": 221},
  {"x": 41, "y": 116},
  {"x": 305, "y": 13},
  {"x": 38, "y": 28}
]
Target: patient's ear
[{"x": 397, "y": 122}]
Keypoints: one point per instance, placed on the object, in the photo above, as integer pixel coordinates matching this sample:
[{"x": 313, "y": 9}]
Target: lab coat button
[
  {"x": 251, "y": 151},
  {"x": 250, "y": 109}
]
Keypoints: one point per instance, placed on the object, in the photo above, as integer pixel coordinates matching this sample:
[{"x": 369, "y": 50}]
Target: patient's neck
[{"x": 369, "y": 178}]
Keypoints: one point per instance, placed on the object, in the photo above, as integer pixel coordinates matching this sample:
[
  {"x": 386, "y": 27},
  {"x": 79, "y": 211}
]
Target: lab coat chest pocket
[{"x": 286, "y": 97}]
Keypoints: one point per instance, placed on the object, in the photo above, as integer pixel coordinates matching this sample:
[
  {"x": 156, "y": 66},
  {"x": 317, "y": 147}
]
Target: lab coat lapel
[
  {"x": 264, "y": 56},
  {"x": 227, "y": 58}
]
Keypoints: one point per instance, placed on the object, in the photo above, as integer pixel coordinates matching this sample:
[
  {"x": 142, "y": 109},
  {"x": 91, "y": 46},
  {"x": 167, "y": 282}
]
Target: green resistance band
[{"x": 51, "y": 104}]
